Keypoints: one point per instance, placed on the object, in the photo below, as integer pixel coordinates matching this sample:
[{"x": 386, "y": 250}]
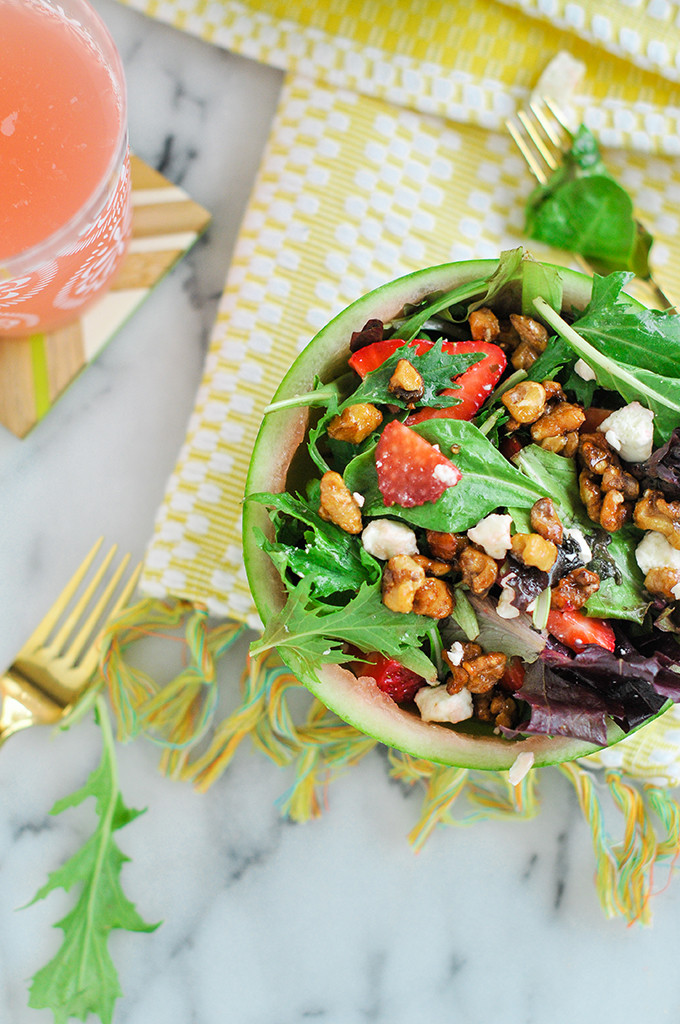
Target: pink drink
[{"x": 64, "y": 170}]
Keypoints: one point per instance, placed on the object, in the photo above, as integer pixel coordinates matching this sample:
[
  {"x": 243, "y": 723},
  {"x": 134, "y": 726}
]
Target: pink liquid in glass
[{"x": 64, "y": 170}]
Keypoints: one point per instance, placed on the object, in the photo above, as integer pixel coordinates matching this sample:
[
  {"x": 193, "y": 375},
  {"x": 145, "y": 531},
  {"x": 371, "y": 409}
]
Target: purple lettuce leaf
[
  {"x": 662, "y": 469},
  {"x": 528, "y": 582}
]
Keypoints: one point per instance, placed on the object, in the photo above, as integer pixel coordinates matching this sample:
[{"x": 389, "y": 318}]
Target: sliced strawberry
[
  {"x": 513, "y": 677},
  {"x": 411, "y": 471},
  {"x": 474, "y": 386},
  {"x": 391, "y": 677},
  {"x": 576, "y": 630}
]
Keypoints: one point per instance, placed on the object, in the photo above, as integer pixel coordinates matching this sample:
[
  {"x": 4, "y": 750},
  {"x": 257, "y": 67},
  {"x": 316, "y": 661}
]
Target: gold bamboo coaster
[{"x": 35, "y": 371}]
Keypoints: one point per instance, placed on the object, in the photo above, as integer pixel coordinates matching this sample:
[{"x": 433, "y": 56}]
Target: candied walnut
[
  {"x": 479, "y": 570},
  {"x": 574, "y": 589},
  {"x": 571, "y": 444},
  {"x": 484, "y": 325},
  {"x": 563, "y": 419},
  {"x": 495, "y": 707},
  {"x": 532, "y": 549},
  {"x": 531, "y": 331},
  {"x": 662, "y": 581},
  {"x": 406, "y": 383},
  {"x": 446, "y": 546},
  {"x": 338, "y": 505},
  {"x": 554, "y": 444},
  {"x": 468, "y": 652},
  {"x": 479, "y": 673},
  {"x": 615, "y": 478},
  {"x": 432, "y": 566},
  {"x": 508, "y": 338},
  {"x": 653, "y": 512},
  {"x": 401, "y": 579},
  {"x": 595, "y": 452},
  {"x": 545, "y": 520},
  {"x": 526, "y": 401},
  {"x": 615, "y": 511},
  {"x": 553, "y": 391},
  {"x": 590, "y": 494},
  {"x": 524, "y": 356},
  {"x": 433, "y": 598},
  {"x": 355, "y": 423}
]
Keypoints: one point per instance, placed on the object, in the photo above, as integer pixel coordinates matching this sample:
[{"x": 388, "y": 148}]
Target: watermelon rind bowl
[{"x": 358, "y": 701}]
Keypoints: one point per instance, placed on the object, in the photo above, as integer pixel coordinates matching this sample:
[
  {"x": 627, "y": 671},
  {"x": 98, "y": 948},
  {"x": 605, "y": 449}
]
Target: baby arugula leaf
[
  {"x": 633, "y": 383},
  {"x": 622, "y": 330},
  {"x": 334, "y": 560},
  {"x": 308, "y": 635},
  {"x": 436, "y": 367},
  {"x": 82, "y": 979},
  {"x": 583, "y": 209}
]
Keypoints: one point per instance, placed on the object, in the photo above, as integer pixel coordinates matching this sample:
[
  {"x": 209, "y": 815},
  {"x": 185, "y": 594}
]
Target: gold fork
[
  {"x": 542, "y": 135},
  {"x": 50, "y": 673}
]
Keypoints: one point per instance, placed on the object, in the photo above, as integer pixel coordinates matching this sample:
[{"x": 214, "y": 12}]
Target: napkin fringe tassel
[{"x": 178, "y": 715}]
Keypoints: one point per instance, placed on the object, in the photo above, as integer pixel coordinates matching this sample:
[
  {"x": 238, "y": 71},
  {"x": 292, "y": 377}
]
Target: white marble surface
[{"x": 265, "y": 922}]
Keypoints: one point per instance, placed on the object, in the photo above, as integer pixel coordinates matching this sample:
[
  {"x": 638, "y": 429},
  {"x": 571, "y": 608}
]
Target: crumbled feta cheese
[
  {"x": 630, "y": 431},
  {"x": 455, "y": 655},
  {"x": 654, "y": 552},
  {"x": 359, "y": 498},
  {"x": 383, "y": 538},
  {"x": 493, "y": 534},
  {"x": 675, "y": 591},
  {"x": 437, "y": 705},
  {"x": 560, "y": 78},
  {"x": 584, "y": 371},
  {"x": 586, "y": 553},
  {"x": 446, "y": 474},
  {"x": 505, "y": 608},
  {"x": 520, "y": 767}
]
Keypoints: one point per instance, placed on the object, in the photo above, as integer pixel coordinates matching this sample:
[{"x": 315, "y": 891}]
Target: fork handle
[{"x": 14, "y": 716}]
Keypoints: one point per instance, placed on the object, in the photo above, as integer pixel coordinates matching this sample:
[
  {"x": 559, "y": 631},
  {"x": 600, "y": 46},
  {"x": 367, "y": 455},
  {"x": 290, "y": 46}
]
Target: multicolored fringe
[{"x": 179, "y": 715}]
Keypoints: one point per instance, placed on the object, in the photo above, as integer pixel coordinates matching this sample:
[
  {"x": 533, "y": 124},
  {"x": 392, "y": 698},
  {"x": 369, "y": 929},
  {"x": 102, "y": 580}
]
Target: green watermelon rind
[{"x": 358, "y": 701}]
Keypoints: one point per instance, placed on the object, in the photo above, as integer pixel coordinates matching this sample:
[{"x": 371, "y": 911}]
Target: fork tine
[
  {"x": 81, "y": 605},
  {"x": 80, "y": 639},
  {"x": 544, "y": 151},
  {"x": 89, "y": 660},
  {"x": 542, "y": 109},
  {"x": 45, "y": 627},
  {"x": 535, "y": 166}
]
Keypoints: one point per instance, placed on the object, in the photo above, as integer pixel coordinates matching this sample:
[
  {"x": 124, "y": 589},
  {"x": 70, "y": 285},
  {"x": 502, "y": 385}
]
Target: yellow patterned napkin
[{"x": 387, "y": 154}]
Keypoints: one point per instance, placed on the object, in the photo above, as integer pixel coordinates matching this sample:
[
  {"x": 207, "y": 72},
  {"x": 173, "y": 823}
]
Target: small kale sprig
[
  {"x": 82, "y": 979},
  {"x": 583, "y": 209}
]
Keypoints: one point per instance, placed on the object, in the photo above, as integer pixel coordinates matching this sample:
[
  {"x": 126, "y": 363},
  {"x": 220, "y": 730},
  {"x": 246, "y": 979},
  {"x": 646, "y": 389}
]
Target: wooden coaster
[{"x": 35, "y": 371}]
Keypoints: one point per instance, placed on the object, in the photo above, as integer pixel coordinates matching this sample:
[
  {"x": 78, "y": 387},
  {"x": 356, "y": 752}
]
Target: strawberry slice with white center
[{"x": 411, "y": 471}]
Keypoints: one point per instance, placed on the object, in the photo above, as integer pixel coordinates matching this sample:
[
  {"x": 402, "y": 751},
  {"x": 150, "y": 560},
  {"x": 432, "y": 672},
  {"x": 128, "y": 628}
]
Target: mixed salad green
[{"x": 489, "y": 523}]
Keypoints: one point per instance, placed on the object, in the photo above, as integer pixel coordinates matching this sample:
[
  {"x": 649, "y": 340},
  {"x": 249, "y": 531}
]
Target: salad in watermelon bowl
[{"x": 462, "y": 517}]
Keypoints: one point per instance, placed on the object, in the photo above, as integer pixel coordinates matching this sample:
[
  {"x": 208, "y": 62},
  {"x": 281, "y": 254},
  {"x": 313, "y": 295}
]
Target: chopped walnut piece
[
  {"x": 591, "y": 495},
  {"x": 545, "y": 520},
  {"x": 530, "y": 331},
  {"x": 479, "y": 570},
  {"x": 532, "y": 549},
  {"x": 615, "y": 478},
  {"x": 595, "y": 452},
  {"x": 406, "y": 383},
  {"x": 484, "y": 325},
  {"x": 433, "y": 598},
  {"x": 401, "y": 579},
  {"x": 355, "y": 423},
  {"x": 526, "y": 401},
  {"x": 338, "y": 505},
  {"x": 495, "y": 706},
  {"x": 432, "y": 566},
  {"x": 446, "y": 546},
  {"x": 574, "y": 589},
  {"x": 653, "y": 512},
  {"x": 524, "y": 356},
  {"x": 563, "y": 419},
  {"x": 469, "y": 651},
  {"x": 478, "y": 674},
  {"x": 662, "y": 581},
  {"x": 615, "y": 511}
]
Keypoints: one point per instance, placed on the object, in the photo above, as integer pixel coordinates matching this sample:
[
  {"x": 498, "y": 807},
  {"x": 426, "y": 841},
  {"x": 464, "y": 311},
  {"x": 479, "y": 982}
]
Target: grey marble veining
[{"x": 265, "y": 922}]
